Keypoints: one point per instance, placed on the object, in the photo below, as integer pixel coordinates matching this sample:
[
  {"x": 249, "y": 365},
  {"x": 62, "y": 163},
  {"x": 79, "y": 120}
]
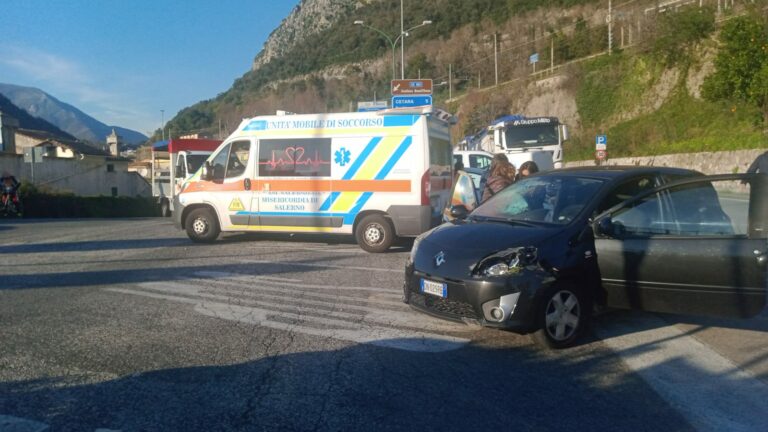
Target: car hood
[{"x": 463, "y": 245}]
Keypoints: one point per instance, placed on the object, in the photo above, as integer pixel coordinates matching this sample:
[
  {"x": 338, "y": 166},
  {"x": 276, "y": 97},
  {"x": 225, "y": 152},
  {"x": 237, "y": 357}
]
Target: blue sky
[{"x": 122, "y": 61}]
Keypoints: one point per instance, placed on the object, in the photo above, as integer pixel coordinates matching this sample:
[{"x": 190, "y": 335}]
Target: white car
[{"x": 473, "y": 158}]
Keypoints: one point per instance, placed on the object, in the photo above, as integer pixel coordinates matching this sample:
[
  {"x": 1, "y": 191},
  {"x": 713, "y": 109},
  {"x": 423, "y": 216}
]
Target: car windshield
[{"x": 546, "y": 199}]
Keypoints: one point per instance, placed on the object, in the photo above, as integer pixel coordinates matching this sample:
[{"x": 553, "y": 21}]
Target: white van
[
  {"x": 473, "y": 159},
  {"x": 375, "y": 175}
]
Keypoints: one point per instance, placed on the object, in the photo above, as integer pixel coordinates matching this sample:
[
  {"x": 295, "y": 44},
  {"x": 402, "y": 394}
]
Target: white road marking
[
  {"x": 295, "y": 283},
  {"x": 307, "y": 311},
  {"x": 344, "y": 313},
  {"x": 710, "y": 391},
  {"x": 322, "y": 266},
  {"x": 380, "y": 336},
  {"x": 17, "y": 424},
  {"x": 236, "y": 276}
]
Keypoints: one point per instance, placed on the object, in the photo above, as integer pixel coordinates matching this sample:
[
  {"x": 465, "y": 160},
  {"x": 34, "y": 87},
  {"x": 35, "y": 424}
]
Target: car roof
[{"x": 620, "y": 171}]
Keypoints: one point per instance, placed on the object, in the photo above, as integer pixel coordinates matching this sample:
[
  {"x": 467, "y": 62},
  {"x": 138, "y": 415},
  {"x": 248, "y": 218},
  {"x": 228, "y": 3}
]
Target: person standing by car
[
  {"x": 500, "y": 175},
  {"x": 526, "y": 169},
  {"x": 760, "y": 165}
]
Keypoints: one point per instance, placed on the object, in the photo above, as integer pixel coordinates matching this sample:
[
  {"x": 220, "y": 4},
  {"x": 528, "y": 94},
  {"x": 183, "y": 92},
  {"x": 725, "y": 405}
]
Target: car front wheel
[
  {"x": 202, "y": 226},
  {"x": 563, "y": 316}
]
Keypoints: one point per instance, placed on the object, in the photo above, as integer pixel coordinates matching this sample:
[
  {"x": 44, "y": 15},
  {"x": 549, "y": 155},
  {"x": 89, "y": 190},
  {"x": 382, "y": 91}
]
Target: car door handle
[
  {"x": 247, "y": 184},
  {"x": 762, "y": 257}
]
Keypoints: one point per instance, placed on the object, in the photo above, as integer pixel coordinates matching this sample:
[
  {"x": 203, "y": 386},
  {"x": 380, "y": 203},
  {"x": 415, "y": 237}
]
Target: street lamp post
[{"x": 393, "y": 43}]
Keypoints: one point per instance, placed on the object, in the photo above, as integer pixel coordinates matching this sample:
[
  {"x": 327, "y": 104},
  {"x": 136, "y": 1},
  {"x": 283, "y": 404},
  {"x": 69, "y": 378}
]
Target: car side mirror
[
  {"x": 207, "y": 172},
  {"x": 459, "y": 212},
  {"x": 604, "y": 227}
]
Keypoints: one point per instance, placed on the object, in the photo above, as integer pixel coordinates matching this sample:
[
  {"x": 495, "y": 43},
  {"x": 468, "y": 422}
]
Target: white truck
[
  {"x": 522, "y": 139},
  {"x": 173, "y": 162}
]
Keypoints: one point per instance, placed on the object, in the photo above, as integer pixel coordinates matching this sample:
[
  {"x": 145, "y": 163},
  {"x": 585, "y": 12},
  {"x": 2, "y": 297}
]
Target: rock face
[{"x": 305, "y": 20}]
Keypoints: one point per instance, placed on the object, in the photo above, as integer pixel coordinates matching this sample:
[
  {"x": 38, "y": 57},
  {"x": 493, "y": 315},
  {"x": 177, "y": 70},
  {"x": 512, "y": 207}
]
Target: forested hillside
[{"x": 642, "y": 92}]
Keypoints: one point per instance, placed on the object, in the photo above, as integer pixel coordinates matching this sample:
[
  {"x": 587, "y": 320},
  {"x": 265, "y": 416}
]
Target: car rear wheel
[
  {"x": 563, "y": 316},
  {"x": 202, "y": 226},
  {"x": 374, "y": 233}
]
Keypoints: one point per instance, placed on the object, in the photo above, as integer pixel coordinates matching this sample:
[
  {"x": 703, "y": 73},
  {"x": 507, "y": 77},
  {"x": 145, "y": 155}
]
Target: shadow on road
[
  {"x": 362, "y": 387},
  {"x": 140, "y": 275},
  {"x": 94, "y": 245}
]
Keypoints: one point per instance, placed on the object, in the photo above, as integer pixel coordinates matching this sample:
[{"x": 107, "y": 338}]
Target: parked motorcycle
[{"x": 10, "y": 204}]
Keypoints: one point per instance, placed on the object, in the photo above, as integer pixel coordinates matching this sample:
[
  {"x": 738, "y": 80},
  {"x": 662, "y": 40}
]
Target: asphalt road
[{"x": 126, "y": 325}]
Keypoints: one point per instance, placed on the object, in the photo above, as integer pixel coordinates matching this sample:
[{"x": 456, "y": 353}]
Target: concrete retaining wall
[
  {"x": 728, "y": 162},
  {"x": 86, "y": 177}
]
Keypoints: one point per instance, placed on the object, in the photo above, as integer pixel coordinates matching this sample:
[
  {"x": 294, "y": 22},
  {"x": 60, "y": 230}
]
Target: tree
[
  {"x": 741, "y": 66},
  {"x": 679, "y": 31}
]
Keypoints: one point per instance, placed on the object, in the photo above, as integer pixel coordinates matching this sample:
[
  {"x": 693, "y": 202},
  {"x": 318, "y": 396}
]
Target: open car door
[
  {"x": 465, "y": 193},
  {"x": 695, "y": 246}
]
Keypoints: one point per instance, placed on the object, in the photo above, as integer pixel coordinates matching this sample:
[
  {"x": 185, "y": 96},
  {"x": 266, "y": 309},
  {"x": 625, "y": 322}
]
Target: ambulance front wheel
[
  {"x": 202, "y": 226},
  {"x": 375, "y": 233}
]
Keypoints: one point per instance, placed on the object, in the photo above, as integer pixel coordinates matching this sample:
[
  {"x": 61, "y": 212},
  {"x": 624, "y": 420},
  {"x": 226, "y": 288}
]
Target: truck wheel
[
  {"x": 202, "y": 226},
  {"x": 374, "y": 233},
  {"x": 564, "y": 316},
  {"x": 165, "y": 208}
]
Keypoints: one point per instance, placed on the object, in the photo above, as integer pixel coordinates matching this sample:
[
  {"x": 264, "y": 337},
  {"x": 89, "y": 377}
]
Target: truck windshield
[
  {"x": 194, "y": 162},
  {"x": 531, "y": 136}
]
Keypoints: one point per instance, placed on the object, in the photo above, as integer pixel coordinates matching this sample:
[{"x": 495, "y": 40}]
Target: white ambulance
[{"x": 376, "y": 175}]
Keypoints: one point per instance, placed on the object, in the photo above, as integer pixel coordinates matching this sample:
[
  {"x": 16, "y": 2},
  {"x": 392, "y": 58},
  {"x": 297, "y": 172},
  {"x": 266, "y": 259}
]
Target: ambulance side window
[
  {"x": 308, "y": 157},
  {"x": 219, "y": 163},
  {"x": 238, "y": 158}
]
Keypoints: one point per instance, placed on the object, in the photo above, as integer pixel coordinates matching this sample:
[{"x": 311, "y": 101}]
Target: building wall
[
  {"x": 24, "y": 141},
  {"x": 86, "y": 177}
]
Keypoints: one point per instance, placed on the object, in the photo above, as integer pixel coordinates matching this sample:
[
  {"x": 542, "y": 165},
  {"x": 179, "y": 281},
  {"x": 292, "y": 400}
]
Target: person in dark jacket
[
  {"x": 500, "y": 175},
  {"x": 760, "y": 165}
]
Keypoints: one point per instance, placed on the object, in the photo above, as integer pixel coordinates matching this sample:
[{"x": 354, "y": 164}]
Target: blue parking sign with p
[{"x": 601, "y": 140}]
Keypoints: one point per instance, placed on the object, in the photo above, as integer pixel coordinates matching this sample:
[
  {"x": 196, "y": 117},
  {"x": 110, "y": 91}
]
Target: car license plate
[{"x": 434, "y": 288}]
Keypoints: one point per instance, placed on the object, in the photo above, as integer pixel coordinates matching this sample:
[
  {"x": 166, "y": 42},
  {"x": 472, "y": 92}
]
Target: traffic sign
[
  {"x": 601, "y": 142},
  {"x": 534, "y": 58},
  {"x": 410, "y": 101},
  {"x": 369, "y": 106},
  {"x": 411, "y": 87},
  {"x": 601, "y": 154}
]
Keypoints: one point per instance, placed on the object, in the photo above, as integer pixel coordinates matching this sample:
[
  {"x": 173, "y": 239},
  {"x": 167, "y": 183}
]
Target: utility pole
[
  {"x": 450, "y": 81},
  {"x": 162, "y": 123},
  {"x": 402, "y": 42},
  {"x": 552, "y": 55},
  {"x": 608, "y": 20},
  {"x": 495, "y": 59}
]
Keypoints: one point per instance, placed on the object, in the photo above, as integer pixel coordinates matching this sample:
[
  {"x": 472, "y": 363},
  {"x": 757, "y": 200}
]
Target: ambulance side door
[{"x": 231, "y": 184}]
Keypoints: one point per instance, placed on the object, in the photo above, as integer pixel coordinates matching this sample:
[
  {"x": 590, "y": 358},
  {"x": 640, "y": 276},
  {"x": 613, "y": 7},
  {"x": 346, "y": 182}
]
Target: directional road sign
[
  {"x": 411, "y": 87},
  {"x": 369, "y": 106},
  {"x": 410, "y": 101}
]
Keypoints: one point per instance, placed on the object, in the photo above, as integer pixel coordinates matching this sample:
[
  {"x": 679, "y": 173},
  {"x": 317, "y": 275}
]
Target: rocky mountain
[
  {"x": 309, "y": 18},
  {"x": 26, "y": 121},
  {"x": 65, "y": 116}
]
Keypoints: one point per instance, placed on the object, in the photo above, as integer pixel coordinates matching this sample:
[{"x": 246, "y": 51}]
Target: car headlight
[{"x": 506, "y": 262}]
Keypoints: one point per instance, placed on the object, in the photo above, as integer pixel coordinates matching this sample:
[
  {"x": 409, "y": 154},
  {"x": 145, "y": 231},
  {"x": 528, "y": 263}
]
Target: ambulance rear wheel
[
  {"x": 202, "y": 226},
  {"x": 375, "y": 233}
]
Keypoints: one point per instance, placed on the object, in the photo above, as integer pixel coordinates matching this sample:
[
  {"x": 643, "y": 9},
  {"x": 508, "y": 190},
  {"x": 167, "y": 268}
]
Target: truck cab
[
  {"x": 173, "y": 162},
  {"x": 522, "y": 139}
]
